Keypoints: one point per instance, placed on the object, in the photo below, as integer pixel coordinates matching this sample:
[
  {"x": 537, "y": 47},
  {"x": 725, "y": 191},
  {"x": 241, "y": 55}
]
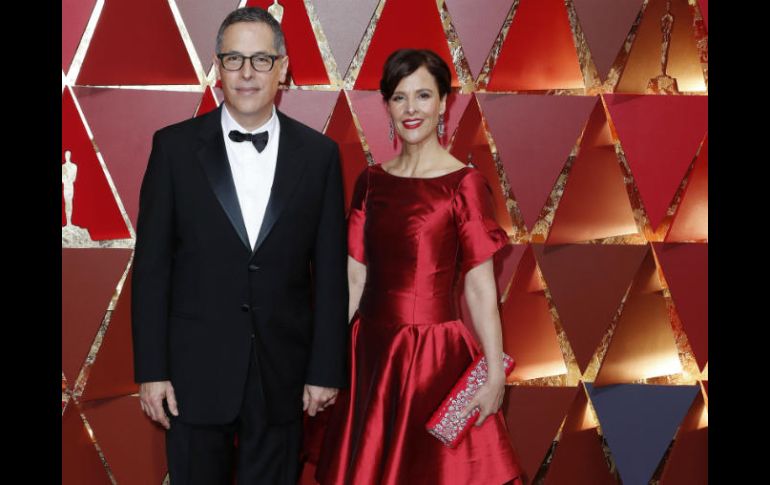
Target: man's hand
[
  {"x": 316, "y": 398},
  {"x": 151, "y": 396}
]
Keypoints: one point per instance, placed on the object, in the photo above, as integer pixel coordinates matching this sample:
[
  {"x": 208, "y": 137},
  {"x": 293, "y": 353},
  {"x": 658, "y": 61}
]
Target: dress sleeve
[
  {"x": 479, "y": 233},
  {"x": 357, "y": 218}
]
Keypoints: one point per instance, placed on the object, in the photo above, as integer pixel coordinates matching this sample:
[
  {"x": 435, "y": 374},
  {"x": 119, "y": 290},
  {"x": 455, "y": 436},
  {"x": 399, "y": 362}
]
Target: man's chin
[{"x": 249, "y": 111}]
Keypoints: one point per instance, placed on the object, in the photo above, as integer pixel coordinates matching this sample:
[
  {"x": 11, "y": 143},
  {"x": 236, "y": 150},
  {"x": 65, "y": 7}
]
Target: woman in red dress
[{"x": 417, "y": 225}]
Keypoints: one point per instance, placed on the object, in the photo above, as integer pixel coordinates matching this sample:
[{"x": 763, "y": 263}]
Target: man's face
[{"x": 249, "y": 93}]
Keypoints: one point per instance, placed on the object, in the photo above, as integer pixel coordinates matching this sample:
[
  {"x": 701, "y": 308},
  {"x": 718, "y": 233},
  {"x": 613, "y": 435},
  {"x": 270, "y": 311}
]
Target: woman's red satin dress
[{"x": 408, "y": 345}]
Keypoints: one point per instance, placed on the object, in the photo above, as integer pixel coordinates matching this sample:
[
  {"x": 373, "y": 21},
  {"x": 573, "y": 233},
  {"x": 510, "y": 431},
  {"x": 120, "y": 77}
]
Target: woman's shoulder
[{"x": 471, "y": 177}]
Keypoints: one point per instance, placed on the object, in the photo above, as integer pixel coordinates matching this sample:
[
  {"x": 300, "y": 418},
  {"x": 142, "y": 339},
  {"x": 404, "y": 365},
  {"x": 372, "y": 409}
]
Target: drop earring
[
  {"x": 441, "y": 127},
  {"x": 391, "y": 131}
]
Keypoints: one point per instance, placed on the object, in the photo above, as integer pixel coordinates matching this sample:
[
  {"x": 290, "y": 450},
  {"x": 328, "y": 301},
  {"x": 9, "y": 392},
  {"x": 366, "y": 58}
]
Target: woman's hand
[{"x": 488, "y": 398}]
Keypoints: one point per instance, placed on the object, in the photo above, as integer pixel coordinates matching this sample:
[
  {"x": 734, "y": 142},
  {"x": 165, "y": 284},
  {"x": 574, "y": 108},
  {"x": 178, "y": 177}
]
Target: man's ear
[
  {"x": 284, "y": 69},
  {"x": 215, "y": 60}
]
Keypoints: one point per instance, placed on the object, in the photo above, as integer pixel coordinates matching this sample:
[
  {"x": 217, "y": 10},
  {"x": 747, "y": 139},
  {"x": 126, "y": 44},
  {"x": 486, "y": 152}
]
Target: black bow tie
[{"x": 258, "y": 139}]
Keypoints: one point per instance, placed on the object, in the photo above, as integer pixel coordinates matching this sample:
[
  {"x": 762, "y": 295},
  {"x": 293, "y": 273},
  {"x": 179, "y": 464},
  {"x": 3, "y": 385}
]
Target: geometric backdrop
[{"x": 589, "y": 118}]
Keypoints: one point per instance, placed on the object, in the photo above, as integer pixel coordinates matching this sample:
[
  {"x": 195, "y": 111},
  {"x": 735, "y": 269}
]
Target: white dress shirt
[{"x": 253, "y": 172}]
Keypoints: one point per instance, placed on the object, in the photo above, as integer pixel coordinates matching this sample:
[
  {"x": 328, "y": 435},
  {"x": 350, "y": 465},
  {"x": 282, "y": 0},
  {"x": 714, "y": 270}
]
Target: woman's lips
[{"x": 411, "y": 124}]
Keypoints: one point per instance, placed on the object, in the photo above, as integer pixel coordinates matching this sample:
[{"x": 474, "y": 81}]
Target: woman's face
[{"x": 415, "y": 106}]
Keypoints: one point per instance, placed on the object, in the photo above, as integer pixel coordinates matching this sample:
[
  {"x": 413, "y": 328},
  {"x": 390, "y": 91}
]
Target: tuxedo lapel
[
  {"x": 288, "y": 170},
  {"x": 212, "y": 156}
]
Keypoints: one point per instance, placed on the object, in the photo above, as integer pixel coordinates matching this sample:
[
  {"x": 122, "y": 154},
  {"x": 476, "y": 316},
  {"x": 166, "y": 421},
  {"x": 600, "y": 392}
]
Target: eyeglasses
[{"x": 260, "y": 62}]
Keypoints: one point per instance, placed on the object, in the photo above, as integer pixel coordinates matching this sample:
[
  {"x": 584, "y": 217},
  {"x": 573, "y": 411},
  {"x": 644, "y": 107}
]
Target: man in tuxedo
[{"x": 239, "y": 276}]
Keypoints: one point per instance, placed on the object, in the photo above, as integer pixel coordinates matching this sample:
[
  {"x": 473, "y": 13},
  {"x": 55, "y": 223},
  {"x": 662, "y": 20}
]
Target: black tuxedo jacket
[{"x": 200, "y": 293}]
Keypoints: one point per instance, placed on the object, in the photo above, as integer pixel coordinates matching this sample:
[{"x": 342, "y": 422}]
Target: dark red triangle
[
  {"x": 80, "y": 462},
  {"x": 112, "y": 373},
  {"x": 587, "y": 283},
  {"x": 89, "y": 279},
  {"x": 533, "y": 416},
  {"x": 116, "y": 422}
]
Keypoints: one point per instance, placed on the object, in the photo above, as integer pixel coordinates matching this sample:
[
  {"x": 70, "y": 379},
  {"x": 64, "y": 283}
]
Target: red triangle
[
  {"x": 305, "y": 63},
  {"x": 89, "y": 279},
  {"x": 311, "y": 107},
  {"x": 539, "y": 52},
  {"x": 685, "y": 266},
  {"x": 123, "y": 122},
  {"x": 470, "y": 145},
  {"x": 579, "y": 457},
  {"x": 660, "y": 136},
  {"x": 80, "y": 462},
  {"x": 116, "y": 422},
  {"x": 75, "y": 15},
  {"x": 93, "y": 204},
  {"x": 413, "y": 24},
  {"x": 342, "y": 129},
  {"x": 534, "y": 136},
  {"x": 533, "y": 416},
  {"x": 112, "y": 373},
  {"x": 690, "y": 221},
  {"x": 208, "y": 102},
  {"x": 136, "y": 43},
  {"x": 587, "y": 283}
]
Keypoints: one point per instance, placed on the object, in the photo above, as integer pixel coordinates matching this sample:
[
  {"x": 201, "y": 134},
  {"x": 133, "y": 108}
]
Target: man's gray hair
[{"x": 253, "y": 14}]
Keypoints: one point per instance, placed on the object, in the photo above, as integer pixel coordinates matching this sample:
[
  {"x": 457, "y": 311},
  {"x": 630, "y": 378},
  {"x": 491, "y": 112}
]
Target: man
[{"x": 237, "y": 208}]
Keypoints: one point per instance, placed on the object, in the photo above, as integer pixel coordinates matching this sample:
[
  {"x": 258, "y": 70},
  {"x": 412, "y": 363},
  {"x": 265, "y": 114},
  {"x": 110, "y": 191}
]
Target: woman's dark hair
[{"x": 404, "y": 62}]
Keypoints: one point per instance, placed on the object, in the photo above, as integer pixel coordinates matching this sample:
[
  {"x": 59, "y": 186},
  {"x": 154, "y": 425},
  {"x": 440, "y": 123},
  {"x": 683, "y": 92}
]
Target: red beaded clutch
[{"x": 446, "y": 423}]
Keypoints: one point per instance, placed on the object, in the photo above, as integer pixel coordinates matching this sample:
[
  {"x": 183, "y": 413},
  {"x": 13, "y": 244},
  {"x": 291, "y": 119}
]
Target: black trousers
[{"x": 265, "y": 453}]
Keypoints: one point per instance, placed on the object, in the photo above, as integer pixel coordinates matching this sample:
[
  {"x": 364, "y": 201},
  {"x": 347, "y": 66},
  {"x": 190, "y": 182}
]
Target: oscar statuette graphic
[
  {"x": 663, "y": 83},
  {"x": 70, "y": 233},
  {"x": 276, "y": 10}
]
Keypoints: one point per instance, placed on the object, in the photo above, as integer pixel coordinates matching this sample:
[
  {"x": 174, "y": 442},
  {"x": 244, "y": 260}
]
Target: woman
[{"x": 412, "y": 220}]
